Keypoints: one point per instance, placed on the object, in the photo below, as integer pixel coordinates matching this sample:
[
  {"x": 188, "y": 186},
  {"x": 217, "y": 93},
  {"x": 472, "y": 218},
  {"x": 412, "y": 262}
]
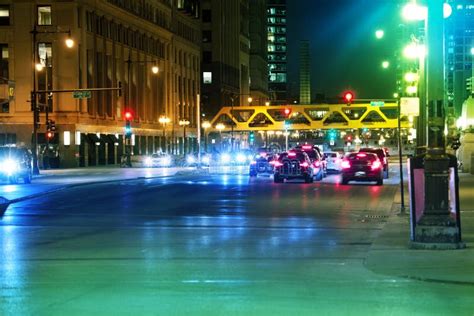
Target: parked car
[
  {"x": 293, "y": 165},
  {"x": 362, "y": 167},
  {"x": 381, "y": 153},
  {"x": 16, "y": 163}
]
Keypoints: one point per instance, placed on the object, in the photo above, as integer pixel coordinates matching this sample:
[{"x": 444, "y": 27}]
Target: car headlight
[
  {"x": 240, "y": 158},
  {"x": 205, "y": 160},
  {"x": 148, "y": 161},
  {"x": 190, "y": 159},
  {"x": 9, "y": 166},
  {"x": 225, "y": 158}
]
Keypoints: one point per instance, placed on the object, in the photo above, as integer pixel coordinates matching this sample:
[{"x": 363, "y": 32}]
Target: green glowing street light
[
  {"x": 379, "y": 34},
  {"x": 414, "y": 51},
  {"x": 472, "y": 50},
  {"x": 411, "y": 77},
  {"x": 385, "y": 64}
]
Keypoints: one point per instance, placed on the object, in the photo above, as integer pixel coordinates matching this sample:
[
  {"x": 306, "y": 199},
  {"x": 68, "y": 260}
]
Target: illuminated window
[
  {"x": 44, "y": 15},
  {"x": 207, "y": 77},
  {"x": 4, "y": 15}
]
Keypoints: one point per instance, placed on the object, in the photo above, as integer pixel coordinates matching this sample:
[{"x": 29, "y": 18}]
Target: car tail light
[
  {"x": 317, "y": 164},
  {"x": 253, "y": 162},
  {"x": 304, "y": 164},
  {"x": 345, "y": 164},
  {"x": 291, "y": 154},
  {"x": 376, "y": 165},
  {"x": 361, "y": 155},
  {"x": 277, "y": 164},
  {"x": 307, "y": 146}
]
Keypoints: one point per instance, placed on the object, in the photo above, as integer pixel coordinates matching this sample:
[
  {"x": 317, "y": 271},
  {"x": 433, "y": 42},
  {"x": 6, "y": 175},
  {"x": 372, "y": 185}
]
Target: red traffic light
[
  {"x": 49, "y": 135},
  {"x": 348, "y": 97},
  {"x": 128, "y": 115},
  {"x": 287, "y": 111}
]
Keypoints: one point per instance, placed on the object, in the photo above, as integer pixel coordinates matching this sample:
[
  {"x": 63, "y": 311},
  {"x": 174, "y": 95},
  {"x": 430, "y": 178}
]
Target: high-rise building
[
  {"x": 277, "y": 51},
  {"x": 459, "y": 57},
  {"x": 305, "y": 78},
  {"x": 258, "y": 52},
  {"x": 225, "y": 54},
  {"x": 116, "y": 42}
]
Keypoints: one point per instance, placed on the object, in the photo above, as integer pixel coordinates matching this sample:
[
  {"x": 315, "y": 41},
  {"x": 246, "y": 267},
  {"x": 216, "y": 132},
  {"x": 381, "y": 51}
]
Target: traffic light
[
  {"x": 251, "y": 137},
  {"x": 348, "y": 97},
  {"x": 349, "y": 138},
  {"x": 287, "y": 112},
  {"x": 49, "y": 135},
  {"x": 50, "y": 125},
  {"x": 128, "y": 124},
  {"x": 332, "y": 134}
]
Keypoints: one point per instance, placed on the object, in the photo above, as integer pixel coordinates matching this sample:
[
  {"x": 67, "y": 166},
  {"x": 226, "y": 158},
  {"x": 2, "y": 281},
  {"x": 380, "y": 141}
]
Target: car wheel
[
  {"x": 380, "y": 182},
  {"x": 344, "y": 181},
  {"x": 319, "y": 176}
]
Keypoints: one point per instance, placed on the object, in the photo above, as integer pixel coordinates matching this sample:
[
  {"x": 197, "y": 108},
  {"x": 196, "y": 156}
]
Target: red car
[{"x": 362, "y": 167}]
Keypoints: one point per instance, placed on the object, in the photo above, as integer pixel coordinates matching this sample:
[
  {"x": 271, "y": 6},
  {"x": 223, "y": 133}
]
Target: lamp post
[
  {"x": 34, "y": 104},
  {"x": 184, "y": 123},
  {"x": 220, "y": 127},
  {"x": 164, "y": 120},
  {"x": 205, "y": 125}
]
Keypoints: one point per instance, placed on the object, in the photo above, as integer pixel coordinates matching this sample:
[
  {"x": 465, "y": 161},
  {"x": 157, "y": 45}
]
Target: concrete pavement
[{"x": 391, "y": 255}]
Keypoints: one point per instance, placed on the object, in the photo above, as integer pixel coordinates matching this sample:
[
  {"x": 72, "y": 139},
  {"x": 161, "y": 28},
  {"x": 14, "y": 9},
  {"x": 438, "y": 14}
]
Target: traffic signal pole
[{"x": 436, "y": 228}]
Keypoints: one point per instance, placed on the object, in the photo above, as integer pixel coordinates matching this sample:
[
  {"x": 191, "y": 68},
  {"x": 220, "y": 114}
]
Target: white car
[
  {"x": 333, "y": 160},
  {"x": 158, "y": 160}
]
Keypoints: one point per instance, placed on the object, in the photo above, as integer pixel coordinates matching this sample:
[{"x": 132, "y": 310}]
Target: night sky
[{"x": 344, "y": 51}]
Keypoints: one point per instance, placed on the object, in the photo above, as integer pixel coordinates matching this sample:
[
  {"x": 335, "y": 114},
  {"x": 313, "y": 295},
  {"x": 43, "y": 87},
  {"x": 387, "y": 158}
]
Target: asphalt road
[{"x": 208, "y": 245}]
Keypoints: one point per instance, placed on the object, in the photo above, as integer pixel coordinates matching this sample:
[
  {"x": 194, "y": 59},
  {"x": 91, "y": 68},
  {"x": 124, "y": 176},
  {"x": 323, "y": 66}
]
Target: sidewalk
[{"x": 390, "y": 253}]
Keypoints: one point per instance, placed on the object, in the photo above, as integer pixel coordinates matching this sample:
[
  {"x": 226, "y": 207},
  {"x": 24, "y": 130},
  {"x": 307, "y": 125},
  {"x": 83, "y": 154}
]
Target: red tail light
[
  {"x": 253, "y": 163},
  {"x": 345, "y": 164},
  {"x": 317, "y": 164},
  {"x": 304, "y": 164},
  {"x": 384, "y": 160},
  {"x": 307, "y": 146},
  {"x": 291, "y": 154},
  {"x": 376, "y": 165},
  {"x": 278, "y": 164},
  {"x": 361, "y": 155}
]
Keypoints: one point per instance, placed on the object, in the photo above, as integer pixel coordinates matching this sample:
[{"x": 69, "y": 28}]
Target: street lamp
[
  {"x": 205, "y": 125},
  {"x": 220, "y": 127},
  {"x": 34, "y": 104},
  {"x": 184, "y": 123},
  {"x": 164, "y": 120},
  {"x": 385, "y": 64},
  {"x": 379, "y": 34}
]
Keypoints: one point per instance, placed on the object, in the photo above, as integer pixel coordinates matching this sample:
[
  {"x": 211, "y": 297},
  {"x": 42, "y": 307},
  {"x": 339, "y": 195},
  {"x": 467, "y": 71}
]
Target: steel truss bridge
[{"x": 370, "y": 115}]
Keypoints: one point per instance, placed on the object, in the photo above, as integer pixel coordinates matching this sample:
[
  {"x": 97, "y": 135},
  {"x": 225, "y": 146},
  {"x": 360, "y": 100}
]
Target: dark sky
[{"x": 344, "y": 51}]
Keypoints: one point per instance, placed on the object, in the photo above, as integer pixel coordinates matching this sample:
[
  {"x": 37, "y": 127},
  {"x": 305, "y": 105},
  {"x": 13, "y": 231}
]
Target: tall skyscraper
[
  {"x": 305, "y": 78},
  {"x": 277, "y": 51},
  {"x": 459, "y": 57},
  {"x": 225, "y": 54}
]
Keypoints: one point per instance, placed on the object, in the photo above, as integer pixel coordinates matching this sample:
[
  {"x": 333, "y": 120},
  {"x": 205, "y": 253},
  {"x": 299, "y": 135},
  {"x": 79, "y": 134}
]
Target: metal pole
[
  {"x": 198, "y": 126},
  {"x": 402, "y": 189},
  {"x": 286, "y": 140},
  {"x": 232, "y": 124},
  {"x": 34, "y": 107},
  {"x": 128, "y": 141},
  {"x": 164, "y": 138}
]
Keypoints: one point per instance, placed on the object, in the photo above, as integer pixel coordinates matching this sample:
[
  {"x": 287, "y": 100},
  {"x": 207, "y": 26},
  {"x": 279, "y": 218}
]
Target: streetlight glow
[
  {"x": 39, "y": 66},
  {"x": 415, "y": 12},
  {"x": 155, "y": 69},
  {"x": 379, "y": 34},
  {"x": 69, "y": 42},
  {"x": 385, "y": 64},
  {"x": 414, "y": 51},
  {"x": 220, "y": 126},
  {"x": 411, "y": 77},
  {"x": 412, "y": 90},
  {"x": 206, "y": 124},
  {"x": 472, "y": 50},
  {"x": 249, "y": 99}
]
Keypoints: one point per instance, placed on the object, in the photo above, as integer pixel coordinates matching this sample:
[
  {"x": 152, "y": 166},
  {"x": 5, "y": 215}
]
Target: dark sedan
[{"x": 362, "y": 167}]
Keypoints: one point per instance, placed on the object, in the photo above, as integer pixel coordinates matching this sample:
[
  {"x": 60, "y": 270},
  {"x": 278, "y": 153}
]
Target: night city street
[{"x": 233, "y": 245}]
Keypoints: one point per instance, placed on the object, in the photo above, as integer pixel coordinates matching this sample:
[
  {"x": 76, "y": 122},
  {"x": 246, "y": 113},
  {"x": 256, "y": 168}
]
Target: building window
[
  {"x": 207, "y": 57},
  {"x": 206, "y": 16},
  {"x": 44, "y": 15},
  {"x": 207, "y": 77},
  {"x": 4, "y": 61},
  {"x": 206, "y": 36},
  {"x": 4, "y": 15}
]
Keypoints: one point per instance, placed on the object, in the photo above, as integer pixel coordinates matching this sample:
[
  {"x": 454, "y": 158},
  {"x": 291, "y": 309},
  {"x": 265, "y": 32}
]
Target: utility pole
[{"x": 436, "y": 228}]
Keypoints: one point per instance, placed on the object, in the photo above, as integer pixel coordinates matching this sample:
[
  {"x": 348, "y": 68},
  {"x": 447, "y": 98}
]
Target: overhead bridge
[{"x": 371, "y": 115}]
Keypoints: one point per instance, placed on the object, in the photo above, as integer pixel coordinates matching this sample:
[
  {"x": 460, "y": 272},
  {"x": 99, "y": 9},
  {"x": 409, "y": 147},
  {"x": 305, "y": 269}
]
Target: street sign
[
  {"x": 377, "y": 103},
  {"x": 410, "y": 106},
  {"x": 83, "y": 94}
]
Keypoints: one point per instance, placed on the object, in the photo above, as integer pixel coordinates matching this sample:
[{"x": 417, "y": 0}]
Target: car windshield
[
  {"x": 361, "y": 157},
  {"x": 332, "y": 155},
  {"x": 380, "y": 152},
  {"x": 293, "y": 156}
]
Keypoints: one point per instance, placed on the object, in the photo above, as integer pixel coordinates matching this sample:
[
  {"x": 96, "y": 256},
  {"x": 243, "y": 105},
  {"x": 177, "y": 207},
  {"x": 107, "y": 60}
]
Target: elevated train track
[{"x": 370, "y": 115}]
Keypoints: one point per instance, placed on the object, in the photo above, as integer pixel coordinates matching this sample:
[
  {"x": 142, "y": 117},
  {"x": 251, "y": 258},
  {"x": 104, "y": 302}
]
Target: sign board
[
  {"x": 377, "y": 103},
  {"x": 410, "y": 106},
  {"x": 85, "y": 94}
]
